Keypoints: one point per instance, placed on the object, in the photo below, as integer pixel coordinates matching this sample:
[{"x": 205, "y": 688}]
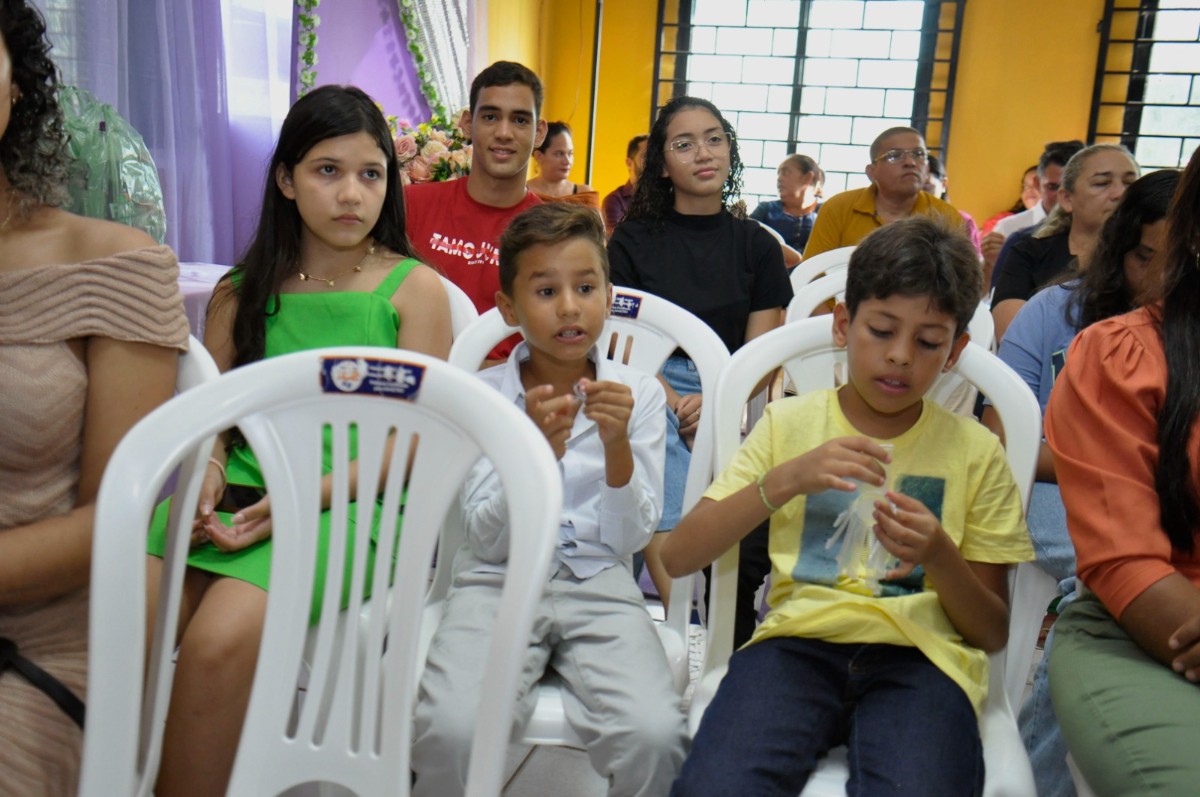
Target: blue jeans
[
  {"x": 787, "y": 701},
  {"x": 682, "y": 376},
  {"x": 1037, "y": 722}
]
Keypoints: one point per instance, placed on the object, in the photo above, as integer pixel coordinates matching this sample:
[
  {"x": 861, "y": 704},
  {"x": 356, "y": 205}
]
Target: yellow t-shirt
[{"x": 953, "y": 465}]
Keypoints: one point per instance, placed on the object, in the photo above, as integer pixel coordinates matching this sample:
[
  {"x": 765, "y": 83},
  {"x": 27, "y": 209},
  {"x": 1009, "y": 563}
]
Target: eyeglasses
[
  {"x": 685, "y": 149},
  {"x": 919, "y": 155}
]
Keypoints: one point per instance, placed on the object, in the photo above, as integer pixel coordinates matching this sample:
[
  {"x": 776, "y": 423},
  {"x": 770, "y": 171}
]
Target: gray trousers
[{"x": 596, "y": 634}]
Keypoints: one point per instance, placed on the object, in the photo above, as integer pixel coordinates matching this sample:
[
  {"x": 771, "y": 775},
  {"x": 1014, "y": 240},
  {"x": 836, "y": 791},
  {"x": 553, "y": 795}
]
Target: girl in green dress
[{"x": 330, "y": 265}]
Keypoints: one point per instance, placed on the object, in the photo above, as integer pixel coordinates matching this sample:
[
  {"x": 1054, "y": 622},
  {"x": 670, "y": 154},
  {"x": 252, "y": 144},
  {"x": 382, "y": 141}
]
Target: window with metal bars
[
  {"x": 818, "y": 77},
  {"x": 1147, "y": 89}
]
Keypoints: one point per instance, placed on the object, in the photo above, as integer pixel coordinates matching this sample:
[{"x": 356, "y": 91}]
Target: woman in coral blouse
[{"x": 1122, "y": 425}]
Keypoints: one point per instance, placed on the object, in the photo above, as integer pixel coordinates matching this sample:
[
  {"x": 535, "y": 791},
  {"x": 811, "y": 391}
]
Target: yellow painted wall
[
  {"x": 513, "y": 29},
  {"x": 626, "y": 72},
  {"x": 1025, "y": 74},
  {"x": 1024, "y": 77}
]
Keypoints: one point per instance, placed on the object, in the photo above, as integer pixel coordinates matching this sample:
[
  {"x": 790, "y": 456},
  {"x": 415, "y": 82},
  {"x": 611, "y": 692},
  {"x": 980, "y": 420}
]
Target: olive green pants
[{"x": 1132, "y": 725}]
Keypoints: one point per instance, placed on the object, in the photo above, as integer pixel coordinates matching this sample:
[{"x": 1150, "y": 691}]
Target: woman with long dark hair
[
  {"x": 679, "y": 241},
  {"x": 1121, "y": 423},
  {"x": 91, "y": 326},
  {"x": 1124, "y": 270},
  {"x": 330, "y": 265}
]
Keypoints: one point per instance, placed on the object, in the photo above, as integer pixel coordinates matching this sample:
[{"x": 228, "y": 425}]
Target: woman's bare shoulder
[{"x": 89, "y": 239}]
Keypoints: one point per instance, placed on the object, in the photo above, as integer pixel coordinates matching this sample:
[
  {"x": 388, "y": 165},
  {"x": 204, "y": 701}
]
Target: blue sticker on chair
[
  {"x": 388, "y": 378},
  {"x": 626, "y": 306}
]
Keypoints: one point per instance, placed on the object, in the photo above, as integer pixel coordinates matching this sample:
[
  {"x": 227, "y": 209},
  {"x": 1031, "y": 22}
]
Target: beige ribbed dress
[{"x": 132, "y": 296}]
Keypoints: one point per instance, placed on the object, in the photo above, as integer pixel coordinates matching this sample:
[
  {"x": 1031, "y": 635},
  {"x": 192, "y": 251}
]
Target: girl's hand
[
  {"x": 687, "y": 410},
  {"x": 1186, "y": 643},
  {"x": 250, "y": 525},
  {"x": 908, "y": 530},
  {"x": 609, "y": 405},
  {"x": 211, "y": 491}
]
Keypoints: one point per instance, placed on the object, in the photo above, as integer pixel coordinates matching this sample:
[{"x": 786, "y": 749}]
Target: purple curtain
[{"x": 163, "y": 65}]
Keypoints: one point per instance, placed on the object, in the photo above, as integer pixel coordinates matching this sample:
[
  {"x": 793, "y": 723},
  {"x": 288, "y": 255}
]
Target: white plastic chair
[
  {"x": 824, "y": 263},
  {"x": 354, "y": 729},
  {"x": 642, "y": 331},
  {"x": 1008, "y": 770},
  {"x": 196, "y": 366},
  {"x": 462, "y": 309}
]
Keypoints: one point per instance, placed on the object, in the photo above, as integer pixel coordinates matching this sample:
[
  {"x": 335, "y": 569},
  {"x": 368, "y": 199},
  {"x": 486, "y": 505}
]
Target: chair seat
[{"x": 548, "y": 723}]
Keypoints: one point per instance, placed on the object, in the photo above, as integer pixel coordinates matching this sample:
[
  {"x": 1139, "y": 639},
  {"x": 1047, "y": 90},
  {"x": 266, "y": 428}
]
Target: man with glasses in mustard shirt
[{"x": 899, "y": 163}]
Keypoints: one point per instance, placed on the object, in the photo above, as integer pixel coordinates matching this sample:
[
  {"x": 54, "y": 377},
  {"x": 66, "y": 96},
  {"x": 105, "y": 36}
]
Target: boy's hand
[
  {"x": 250, "y": 525},
  {"x": 908, "y": 530},
  {"x": 608, "y": 405},
  {"x": 828, "y": 466},
  {"x": 554, "y": 415}
]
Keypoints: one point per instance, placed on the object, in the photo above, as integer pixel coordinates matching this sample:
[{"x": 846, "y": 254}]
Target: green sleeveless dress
[{"x": 303, "y": 321}]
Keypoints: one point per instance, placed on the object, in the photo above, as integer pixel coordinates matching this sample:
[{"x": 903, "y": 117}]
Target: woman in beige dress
[{"x": 91, "y": 324}]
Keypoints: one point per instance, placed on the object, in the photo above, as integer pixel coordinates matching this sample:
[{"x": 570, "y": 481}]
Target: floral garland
[
  {"x": 307, "y": 40},
  {"x": 435, "y": 151},
  {"x": 412, "y": 34}
]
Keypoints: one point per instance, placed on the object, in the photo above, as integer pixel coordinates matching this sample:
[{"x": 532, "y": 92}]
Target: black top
[
  {"x": 719, "y": 268},
  {"x": 1031, "y": 265}
]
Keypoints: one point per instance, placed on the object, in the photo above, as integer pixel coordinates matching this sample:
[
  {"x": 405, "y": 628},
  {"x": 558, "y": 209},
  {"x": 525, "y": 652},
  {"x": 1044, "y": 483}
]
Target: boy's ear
[
  {"x": 540, "y": 134},
  {"x": 841, "y": 324},
  {"x": 283, "y": 179},
  {"x": 464, "y": 122},
  {"x": 956, "y": 350},
  {"x": 508, "y": 311}
]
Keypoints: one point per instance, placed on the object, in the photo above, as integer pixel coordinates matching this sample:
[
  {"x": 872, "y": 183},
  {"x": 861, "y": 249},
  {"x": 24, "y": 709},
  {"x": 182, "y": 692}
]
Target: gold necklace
[{"x": 330, "y": 280}]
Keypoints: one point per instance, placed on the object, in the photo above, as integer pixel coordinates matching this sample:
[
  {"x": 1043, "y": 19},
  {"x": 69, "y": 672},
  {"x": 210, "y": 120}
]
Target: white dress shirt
[
  {"x": 1019, "y": 221},
  {"x": 600, "y": 524}
]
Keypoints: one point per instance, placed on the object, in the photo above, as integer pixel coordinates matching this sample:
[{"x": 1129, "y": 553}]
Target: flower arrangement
[{"x": 436, "y": 150}]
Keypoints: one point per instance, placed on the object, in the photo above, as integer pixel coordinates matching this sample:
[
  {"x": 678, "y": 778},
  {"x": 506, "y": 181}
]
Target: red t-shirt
[{"x": 460, "y": 236}]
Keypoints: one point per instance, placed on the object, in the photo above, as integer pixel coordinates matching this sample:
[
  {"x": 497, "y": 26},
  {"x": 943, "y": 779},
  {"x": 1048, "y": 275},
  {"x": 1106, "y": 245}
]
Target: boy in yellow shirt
[{"x": 888, "y": 659}]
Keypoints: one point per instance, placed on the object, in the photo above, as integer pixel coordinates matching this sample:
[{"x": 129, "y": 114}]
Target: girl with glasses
[{"x": 679, "y": 241}]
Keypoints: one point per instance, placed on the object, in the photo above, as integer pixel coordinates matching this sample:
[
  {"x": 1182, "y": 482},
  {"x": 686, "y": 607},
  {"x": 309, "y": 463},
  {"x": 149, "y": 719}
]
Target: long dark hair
[
  {"x": 33, "y": 150},
  {"x": 1178, "y": 501},
  {"x": 274, "y": 254},
  {"x": 1103, "y": 290},
  {"x": 655, "y": 195}
]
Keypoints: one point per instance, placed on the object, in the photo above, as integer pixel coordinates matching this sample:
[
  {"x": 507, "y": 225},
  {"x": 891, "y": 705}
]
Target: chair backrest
[
  {"x": 823, "y": 364},
  {"x": 824, "y": 263},
  {"x": 642, "y": 331},
  {"x": 462, "y": 309},
  {"x": 423, "y": 421},
  {"x": 196, "y": 366},
  {"x": 808, "y": 338}
]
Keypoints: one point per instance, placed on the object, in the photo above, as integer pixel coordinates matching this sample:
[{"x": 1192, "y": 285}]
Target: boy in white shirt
[{"x": 606, "y": 424}]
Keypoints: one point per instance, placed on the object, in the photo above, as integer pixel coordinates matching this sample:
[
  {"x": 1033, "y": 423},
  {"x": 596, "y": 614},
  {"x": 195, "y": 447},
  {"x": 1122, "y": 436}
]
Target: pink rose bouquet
[{"x": 435, "y": 150}]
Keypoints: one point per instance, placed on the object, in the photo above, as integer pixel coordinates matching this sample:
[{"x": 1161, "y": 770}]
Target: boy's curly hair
[{"x": 33, "y": 151}]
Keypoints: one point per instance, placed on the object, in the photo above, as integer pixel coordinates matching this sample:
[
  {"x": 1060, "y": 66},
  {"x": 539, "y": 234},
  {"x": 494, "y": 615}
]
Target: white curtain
[{"x": 443, "y": 34}]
